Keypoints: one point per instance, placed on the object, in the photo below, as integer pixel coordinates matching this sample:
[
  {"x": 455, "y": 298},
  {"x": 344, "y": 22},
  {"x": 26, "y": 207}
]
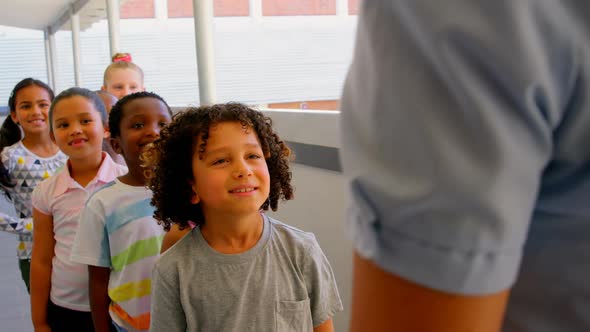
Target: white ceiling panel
[{"x": 40, "y": 14}]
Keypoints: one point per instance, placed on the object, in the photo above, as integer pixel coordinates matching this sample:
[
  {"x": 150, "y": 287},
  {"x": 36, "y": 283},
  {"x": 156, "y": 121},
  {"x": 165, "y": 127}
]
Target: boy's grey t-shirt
[{"x": 284, "y": 283}]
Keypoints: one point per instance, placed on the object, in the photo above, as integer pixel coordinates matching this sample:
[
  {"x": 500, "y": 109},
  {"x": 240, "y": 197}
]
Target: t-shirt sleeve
[
  {"x": 447, "y": 120},
  {"x": 167, "y": 314},
  {"x": 40, "y": 197},
  {"x": 321, "y": 285},
  {"x": 7, "y": 161},
  {"x": 91, "y": 245},
  {"x": 11, "y": 224},
  {"x": 8, "y": 220}
]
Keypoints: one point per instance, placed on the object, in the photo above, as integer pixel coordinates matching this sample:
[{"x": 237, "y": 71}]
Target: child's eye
[
  {"x": 44, "y": 105},
  {"x": 137, "y": 125},
  {"x": 219, "y": 161},
  {"x": 163, "y": 124},
  {"x": 254, "y": 156},
  {"x": 62, "y": 125},
  {"x": 86, "y": 121}
]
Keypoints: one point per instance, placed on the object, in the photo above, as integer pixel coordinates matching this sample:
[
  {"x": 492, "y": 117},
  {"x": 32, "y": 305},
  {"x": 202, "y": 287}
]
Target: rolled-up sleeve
[{"x": 448, "y": 115}]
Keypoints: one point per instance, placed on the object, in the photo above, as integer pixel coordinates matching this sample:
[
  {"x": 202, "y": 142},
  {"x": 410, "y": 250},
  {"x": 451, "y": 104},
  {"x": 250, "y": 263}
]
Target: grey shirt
[
  {"x": 466, "y": 136},
  {"x": 284, "y": 283}
]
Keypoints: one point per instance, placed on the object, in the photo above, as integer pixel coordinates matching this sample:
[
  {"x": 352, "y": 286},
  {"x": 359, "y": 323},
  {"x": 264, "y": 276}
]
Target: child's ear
[
  {"x": 13, "y": 117},
  {"x": 103, "y": 88},
  {"x": 195, "y": 199},
  {"x": 116, "y": 145}
]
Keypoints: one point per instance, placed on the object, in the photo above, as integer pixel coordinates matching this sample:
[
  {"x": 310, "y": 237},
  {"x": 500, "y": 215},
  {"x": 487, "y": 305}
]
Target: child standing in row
[
  {"x": 109, "y": 101},
  {"x": 59, "y": 287},
  {"x": 118, "y": 238},
  {"x": 122, "y": 78},
  {"x": 219, "y": 166},
  {"x": 27, "y": 161}
]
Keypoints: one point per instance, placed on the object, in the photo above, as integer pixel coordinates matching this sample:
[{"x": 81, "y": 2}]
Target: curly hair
[
  {"x": 169, "y": 160},
  {"x": 117, "y": 111}
]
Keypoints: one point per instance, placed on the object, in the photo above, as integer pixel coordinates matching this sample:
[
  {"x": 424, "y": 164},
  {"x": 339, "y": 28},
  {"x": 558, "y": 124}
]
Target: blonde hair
[{"x": 121, "y": 65}]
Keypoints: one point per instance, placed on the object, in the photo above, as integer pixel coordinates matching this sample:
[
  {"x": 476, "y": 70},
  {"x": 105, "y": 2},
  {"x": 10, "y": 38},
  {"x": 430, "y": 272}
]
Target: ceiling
[{"x": 40, "y": 14}]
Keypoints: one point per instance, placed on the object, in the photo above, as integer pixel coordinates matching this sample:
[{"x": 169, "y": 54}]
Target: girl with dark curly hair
[{"x": 220, "y": 166}]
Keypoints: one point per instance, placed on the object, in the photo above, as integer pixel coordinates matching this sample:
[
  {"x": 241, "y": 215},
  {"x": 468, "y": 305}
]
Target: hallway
[{"x": 15, "y": 313}]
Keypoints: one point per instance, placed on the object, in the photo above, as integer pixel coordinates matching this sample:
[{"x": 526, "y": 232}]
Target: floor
[{"x": 15, "y": 312}]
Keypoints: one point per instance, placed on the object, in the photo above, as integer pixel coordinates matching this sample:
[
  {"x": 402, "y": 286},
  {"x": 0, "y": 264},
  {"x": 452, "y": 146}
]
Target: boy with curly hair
[{"x": 220, "y": 166}]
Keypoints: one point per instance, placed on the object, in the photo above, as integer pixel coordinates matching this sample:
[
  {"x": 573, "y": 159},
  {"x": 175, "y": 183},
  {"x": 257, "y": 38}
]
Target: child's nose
[
  {"x": 242, "y": 169},
  {"x": 37, "y": 109},
  {"x": 153, "y": 130},
  {"x": 75, "y": 129}
]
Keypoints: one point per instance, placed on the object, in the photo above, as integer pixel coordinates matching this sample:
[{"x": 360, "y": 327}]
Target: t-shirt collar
[{"x": 106, "y": 173}]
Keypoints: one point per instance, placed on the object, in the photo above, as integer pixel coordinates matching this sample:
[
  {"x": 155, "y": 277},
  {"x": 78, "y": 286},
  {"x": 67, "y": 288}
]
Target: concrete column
[
  {"x": 256, "y": 9},
  {"x": 50, "y": 54},
  {"x": 161, "y": 9},
  {"x": 203, "y": 16},
  {"x": 75, "y": 20},
  {"x": 342, "y": 7},
  {"x": 113, "y": 20}
]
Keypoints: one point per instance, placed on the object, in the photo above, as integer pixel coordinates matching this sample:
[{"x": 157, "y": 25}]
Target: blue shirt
[{"x": 466, "y": 136}]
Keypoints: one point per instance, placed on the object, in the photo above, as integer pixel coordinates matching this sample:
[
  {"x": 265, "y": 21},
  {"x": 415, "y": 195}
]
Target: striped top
[
  {"x": 117, "y": 230},
  {"x": 63, "y": 198}
]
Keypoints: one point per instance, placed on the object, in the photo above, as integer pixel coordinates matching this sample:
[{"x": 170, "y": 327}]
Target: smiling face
[
  {"x": 140, "y": 125},
  {"x": 123, "y": 81},
  {"x": 31, "y": 109},
  {"x": 231, "y": 176},
  {"x": 77, "y": 128}
]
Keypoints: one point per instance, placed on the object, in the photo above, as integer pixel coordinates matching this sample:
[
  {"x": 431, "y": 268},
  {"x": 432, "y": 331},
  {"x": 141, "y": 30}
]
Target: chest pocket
[{"x": 293, "y": 316}]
